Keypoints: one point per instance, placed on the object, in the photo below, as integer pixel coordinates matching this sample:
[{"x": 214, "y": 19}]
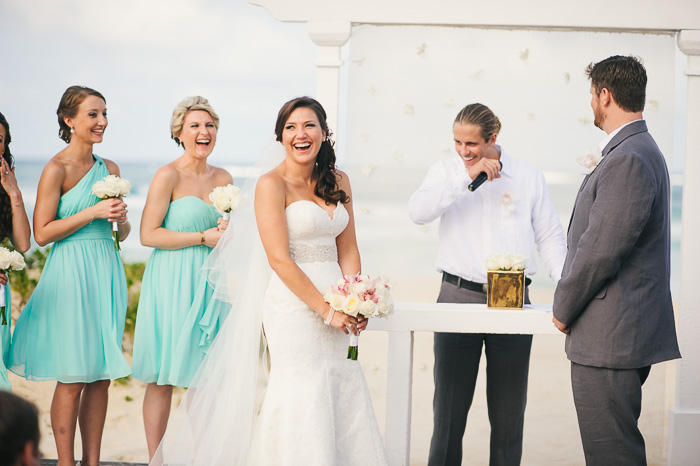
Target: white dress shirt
[
  {"x": 507, "y": 215},
  {"x": 609, "y": 137}
]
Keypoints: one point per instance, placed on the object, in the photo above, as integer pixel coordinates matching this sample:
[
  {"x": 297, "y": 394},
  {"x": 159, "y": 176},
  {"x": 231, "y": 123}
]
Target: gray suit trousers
[
  {"x": 608, "y": 404},
  {"x": 457, "y": 358}
]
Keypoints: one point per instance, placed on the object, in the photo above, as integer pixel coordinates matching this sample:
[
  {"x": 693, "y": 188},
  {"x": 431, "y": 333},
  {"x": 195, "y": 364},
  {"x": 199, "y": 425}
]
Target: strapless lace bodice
[{"x": 312, "y": 231}]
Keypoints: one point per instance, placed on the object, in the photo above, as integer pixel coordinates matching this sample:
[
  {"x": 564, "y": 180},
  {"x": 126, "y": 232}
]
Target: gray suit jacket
[{"x": 614, "y": 292}]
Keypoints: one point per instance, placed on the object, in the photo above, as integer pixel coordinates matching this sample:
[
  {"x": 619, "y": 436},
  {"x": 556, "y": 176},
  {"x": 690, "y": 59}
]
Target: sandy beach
[{"x": 551, "y": 434}]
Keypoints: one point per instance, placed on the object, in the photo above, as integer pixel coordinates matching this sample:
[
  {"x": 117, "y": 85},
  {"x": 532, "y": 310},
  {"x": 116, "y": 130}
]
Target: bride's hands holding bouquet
[{"x": 345, "y": 322}]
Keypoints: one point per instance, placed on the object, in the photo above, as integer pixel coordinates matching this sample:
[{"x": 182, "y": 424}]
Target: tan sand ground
[{"x": 551, "y": 430}]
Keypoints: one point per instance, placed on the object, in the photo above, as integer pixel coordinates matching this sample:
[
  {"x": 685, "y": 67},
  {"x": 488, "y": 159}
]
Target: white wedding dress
[{"x": 317, "y": 409}]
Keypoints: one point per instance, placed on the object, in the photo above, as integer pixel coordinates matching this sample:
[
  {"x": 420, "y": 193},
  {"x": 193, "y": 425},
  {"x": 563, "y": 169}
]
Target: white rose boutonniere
[
  {"x": 591, "y": 160},
  {"x": 508, "y": 200}
]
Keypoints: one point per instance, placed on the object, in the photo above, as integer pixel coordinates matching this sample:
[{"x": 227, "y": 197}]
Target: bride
[{"x": 316, "y": 408}]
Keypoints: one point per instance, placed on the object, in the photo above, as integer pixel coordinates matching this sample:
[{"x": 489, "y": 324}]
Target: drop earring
[{"x": 72, "y": 131}]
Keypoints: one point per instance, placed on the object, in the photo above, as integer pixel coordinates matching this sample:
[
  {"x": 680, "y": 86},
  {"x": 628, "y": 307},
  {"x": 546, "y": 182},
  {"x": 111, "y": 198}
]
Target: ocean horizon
[{"x": 382, "y": 222}]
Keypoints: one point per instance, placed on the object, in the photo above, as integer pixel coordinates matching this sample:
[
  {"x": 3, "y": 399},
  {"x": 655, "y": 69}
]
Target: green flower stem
[{"x": 352, "y": 349}]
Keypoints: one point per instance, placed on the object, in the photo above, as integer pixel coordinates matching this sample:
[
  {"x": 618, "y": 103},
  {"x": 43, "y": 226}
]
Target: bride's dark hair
[{"x": 324, "y": 172}]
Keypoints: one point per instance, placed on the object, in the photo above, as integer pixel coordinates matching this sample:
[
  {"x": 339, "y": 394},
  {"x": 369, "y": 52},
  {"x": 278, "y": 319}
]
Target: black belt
[{"x": 460, "y": 282}]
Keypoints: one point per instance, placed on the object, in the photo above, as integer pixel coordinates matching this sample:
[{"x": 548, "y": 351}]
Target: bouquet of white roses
[
  {"x": 360, "y": 294},
  {"x": 506, "y": 262},
  {"x": 9, "y": 260},
  {"x": 226, "y": 199},
  {"x": 111, "y": 186}
]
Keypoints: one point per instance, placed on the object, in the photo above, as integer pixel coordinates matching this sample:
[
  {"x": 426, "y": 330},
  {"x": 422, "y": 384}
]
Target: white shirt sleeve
[
  {"x": 549, "y": 233},
  {"x": 439, "y": 190}
]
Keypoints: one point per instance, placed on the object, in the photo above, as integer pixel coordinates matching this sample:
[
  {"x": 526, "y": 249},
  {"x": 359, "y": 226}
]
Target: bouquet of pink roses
[{"x": 360, "y": 294}]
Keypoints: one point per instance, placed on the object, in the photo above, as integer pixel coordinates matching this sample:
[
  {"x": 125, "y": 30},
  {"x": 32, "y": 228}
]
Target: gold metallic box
[{"x": 505, "y": 289}]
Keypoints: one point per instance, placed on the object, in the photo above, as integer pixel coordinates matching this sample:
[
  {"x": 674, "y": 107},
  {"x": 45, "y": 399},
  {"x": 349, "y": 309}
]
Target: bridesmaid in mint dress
[
  {"x": 177, "y": 317},
  {"x": 71, "y": 328},
  {"x": 14, "y": 225}
]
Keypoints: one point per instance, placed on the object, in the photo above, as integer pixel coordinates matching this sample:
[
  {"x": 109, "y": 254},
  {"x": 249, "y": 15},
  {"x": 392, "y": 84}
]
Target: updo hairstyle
[
  {"x": 68, "y": 107},
  {"x": 187, "y": 105}
]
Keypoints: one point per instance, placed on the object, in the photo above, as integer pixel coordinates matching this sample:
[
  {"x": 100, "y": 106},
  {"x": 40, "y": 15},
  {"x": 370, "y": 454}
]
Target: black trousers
[
  {"x": 608, "y": 404},
  {"x": 457, "y": 358}
]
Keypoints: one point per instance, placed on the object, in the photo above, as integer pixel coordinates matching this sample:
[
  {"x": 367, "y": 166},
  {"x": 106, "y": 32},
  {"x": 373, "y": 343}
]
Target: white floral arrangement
[
  {"x": 226, "y": 199},
  {"x": 506, "y": 261},
  {"x": 591, "y": 160},
  {"x": 360, "y": 294},
  {"x": 112, "y": 186},
  {"x": 9, "y": 261}
]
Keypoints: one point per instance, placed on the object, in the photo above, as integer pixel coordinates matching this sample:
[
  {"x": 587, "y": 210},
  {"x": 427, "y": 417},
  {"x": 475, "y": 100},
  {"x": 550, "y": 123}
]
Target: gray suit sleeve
[{"x": 620, "y": 204}]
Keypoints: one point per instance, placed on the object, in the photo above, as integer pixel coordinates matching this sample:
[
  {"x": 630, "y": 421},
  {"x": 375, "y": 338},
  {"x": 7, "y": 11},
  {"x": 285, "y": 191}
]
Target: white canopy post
[
  {"x": 684, "y": 420},
  {"x": 329, "y": 36}
]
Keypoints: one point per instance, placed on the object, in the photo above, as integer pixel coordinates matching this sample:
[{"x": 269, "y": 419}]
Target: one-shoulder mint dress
[
  {"x": 71, "y": 329},
  {"x": 5, "y": 342},
  {"x": 177, "y": 317}
]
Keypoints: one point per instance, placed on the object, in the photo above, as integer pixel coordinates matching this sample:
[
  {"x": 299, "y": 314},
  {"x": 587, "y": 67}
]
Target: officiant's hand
[
  {"x": 563, "y": 328},
  {"x": 489, "y": 166}
]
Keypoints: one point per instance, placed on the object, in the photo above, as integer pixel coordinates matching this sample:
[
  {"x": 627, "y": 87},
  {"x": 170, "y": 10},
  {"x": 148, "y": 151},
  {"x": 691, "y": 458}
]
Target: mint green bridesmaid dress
[
  {"x": 5, "y": 342},
  {"x": 71, "y": 329},
  {"x": 177, "y": 317}
]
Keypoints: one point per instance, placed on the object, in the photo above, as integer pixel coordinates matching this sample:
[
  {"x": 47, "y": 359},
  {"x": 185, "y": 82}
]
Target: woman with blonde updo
[
  {"x": 71, "y": 329},
  {"x": 177, "y": 316}
]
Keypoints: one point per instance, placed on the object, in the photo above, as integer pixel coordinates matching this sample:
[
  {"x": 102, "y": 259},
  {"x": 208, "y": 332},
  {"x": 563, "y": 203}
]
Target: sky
[{"x": 144, "y": 57}]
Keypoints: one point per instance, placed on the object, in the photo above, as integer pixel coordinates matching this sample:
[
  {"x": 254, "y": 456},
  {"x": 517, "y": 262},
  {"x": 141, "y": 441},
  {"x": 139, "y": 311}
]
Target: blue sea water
[{"x": 373, "y": 236}]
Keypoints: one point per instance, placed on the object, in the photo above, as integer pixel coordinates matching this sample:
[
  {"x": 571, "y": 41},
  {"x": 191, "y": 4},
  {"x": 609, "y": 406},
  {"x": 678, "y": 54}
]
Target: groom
[{"x": 613, "y": 300}]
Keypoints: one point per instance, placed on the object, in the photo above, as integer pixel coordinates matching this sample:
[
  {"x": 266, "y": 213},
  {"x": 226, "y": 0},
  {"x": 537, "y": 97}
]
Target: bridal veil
[{"x": 215, "y": 422}]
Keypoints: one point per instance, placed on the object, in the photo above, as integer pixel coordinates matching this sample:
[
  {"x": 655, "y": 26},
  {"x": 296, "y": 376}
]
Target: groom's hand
[{"x": 562, "y": 327}]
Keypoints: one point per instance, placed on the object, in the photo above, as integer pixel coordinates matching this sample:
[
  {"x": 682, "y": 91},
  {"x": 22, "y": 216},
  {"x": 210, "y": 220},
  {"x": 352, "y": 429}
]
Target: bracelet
[
  {"x": 201, "y": 241},
  {"x": 329, "y": 317}
]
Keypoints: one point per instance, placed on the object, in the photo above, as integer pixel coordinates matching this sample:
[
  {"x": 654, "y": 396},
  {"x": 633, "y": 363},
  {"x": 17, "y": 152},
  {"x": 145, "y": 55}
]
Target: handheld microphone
[{"x": 480, "y": 178}]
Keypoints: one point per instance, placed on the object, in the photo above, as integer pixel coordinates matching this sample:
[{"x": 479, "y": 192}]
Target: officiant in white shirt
[{"x": 510, "y": 212}]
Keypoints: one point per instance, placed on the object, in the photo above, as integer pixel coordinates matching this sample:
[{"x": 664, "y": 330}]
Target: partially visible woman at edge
[
  {"x": 177, "y": 315},
  {"x": 14, "y": 226},
  {"x": 71, "y": 328}
]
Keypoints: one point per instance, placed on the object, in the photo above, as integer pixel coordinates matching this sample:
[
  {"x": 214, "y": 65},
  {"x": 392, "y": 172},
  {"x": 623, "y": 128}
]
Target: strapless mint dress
[
  {"x": 71, "y": 329},
  {"x": 5, "y": 342},
  {"x": 177, "y": 317}
]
